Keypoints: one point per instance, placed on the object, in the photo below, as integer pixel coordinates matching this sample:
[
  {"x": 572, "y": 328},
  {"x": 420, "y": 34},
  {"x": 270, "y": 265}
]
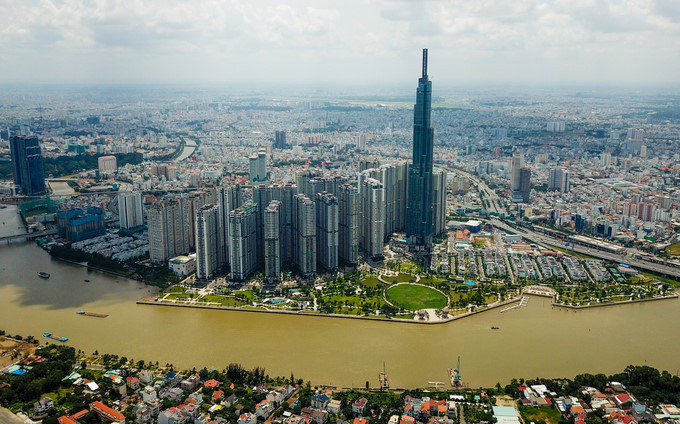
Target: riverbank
[
  {"x": 623, "y": 302},
  {"x": 322, "y": 315}
]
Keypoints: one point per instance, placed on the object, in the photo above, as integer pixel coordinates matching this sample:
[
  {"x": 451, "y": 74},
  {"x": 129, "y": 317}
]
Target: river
[{"x": 536, "y": 340}]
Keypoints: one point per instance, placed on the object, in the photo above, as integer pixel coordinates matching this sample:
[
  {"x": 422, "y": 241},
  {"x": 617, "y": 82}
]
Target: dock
[{"x": 523, "y": 302}]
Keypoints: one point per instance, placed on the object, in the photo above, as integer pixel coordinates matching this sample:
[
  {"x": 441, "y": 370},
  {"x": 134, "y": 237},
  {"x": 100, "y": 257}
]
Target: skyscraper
[
  {"x": 130, "y": 209},
  {"x": 208, "y": 258},
  {"x": 419, "y": 212},
  {"x": 348, "y": 224},
  {"x": 280, "y": 140},
  {"x": 304, "y": 238},
  {"x": 228, "y": 199},
  {"x": 558, "y": 180},
  {"x": 28, "y": 164},
  {"x": 258, "y": 167},
  {"x": 272, "y": 242},
  {"x": 439, "y": 198},
  {"x": 168, "y": 232},
  {"x": 327, "y": 230},
  {"x": 243, "y": 241},
  {"x": 372, "y": 227}
]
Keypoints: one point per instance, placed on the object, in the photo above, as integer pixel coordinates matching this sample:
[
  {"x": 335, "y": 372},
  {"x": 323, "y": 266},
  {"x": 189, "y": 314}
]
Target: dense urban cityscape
[{"x": 341, "y": 206}]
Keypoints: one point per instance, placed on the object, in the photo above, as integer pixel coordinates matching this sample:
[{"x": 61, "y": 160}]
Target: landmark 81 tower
[{"x": 420, "y": 213}]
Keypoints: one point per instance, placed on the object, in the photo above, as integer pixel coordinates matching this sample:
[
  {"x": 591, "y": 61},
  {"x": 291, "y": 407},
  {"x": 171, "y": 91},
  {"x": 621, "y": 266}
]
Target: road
[
  {"x": 489, "y": 195},
  {"x": 625, "y": 258}
]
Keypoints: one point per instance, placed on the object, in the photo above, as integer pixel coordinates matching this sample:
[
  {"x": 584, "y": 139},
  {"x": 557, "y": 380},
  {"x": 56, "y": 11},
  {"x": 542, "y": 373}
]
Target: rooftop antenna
[{"x": 424, "y": 63}]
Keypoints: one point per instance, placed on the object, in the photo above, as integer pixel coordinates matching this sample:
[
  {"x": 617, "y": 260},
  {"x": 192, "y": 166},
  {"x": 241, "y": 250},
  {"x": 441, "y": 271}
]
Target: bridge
[{"x": 26, "y": 237}]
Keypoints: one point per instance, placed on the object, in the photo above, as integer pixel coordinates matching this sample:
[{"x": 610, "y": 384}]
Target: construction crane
[
  {"x": 384, "y": 381},
  {"x": 454, "y": 375}
]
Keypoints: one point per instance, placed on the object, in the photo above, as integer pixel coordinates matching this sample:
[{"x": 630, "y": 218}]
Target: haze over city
[{"x": 356, "y": 42}]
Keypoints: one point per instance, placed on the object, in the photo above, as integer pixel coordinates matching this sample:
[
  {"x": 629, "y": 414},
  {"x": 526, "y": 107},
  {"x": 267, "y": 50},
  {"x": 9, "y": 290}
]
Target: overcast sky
[{"x": 339, "y": 41}]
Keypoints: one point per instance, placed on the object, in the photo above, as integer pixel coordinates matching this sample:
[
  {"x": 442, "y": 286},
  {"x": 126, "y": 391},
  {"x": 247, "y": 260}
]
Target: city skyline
[{"x": 329, "y": 42}]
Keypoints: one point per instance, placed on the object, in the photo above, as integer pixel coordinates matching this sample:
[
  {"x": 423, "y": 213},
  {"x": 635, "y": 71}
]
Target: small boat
[
  {"x": 87, "y": 281},
  {"x": 92, "y": 314},
  {"x": 495, "y": 328},
  {"x": 43, "y": 274},
  {"x": 53, "y": 337}
]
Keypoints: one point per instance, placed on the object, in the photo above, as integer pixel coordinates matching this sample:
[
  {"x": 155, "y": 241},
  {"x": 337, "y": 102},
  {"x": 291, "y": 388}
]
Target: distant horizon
[{"x": 323, "y": 42}]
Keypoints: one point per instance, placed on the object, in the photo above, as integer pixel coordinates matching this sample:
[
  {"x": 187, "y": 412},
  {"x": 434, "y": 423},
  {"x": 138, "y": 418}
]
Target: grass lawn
[
  {"x": 175, "y": 290},
  {"x": 401, "y": 278},
  {"x": 673, "y": 249},
  {"x": 548, "y": 415},
  {"x": 370, "y": 282},
  {"x": 224, "y": 300},
  {"x": 413, "y": 297}
]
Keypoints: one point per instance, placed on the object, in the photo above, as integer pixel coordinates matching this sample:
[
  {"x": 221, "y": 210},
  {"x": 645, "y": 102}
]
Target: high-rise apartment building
[
  {"x": 304, "y": 238},
  {"x": 107, "y": 164},
  {"x": 419, "y": 214},
  {"x": 327, "y": 230},
  {"x": 516, "y": 163},
  {"x": 280, "y": 140},
  {"x": 439, "y": 198},
  {"x": 130, "y": 210},
  {"x": 258, "y": 167},
  {"x": 348, "y": 224},
  {"x": 272, "y": 242},
  {"x": 262, "y": 196},
  {"x": 208, "y": 257},
  {"x": 243, "y": 241},
  {"x": 558, "y": 180},
  {"x": 228, "y": 199},
  {"x": 372, "y": 226},
  {"x": 28, "y": 164},
  {"x": 168, "y": 232},
  {"x": 524, "y": 184}
]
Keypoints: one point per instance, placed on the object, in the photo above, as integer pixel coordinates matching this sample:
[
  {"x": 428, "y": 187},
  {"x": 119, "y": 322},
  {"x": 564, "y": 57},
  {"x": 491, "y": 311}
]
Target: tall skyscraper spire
[{"x": 420, "y": 212}]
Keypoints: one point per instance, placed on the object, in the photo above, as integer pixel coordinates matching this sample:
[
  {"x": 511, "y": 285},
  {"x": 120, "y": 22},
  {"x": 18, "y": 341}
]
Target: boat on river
[
  {"x": 92, "y": 314},
  {"x": 53, "y": 337},
  {"x": 43, "y": 274}
]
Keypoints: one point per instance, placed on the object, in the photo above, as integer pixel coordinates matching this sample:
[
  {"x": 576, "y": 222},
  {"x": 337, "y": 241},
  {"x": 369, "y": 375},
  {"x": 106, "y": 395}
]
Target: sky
[{"x": 353, "y": 42}]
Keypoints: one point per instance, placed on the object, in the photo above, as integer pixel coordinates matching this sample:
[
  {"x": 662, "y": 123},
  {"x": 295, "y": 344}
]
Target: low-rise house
[
  {"x": 196, "y": 397},
  {"x": 440, "y": 420},
  {"x": 132, "y": 382},
  {"x": 191, "y": 383},
  {"x": 174, "y": 394},
  {"x": 145, "y": 376},
  {"x": 172, "y": 416},
  {"x": 624, "y": 400},
  {"x": 406, "y": 419},
  {"x": 359, "y": 420},
  {"x": 149, "y": 394},
  {"x": 107, "y": 414},
  {"x": 621, "y": 418},
  {"x": 276, "y": 398},
  {"x": 639, "y": 412},
  {"x": 217, "y": 396},
  {"x": 246, "y": 418},
  {"x": 320, "y": 401},
  {"x": 264, "y": 408},
  {"x": 334, "y": 406},
  {"x": 43, "y": 406},
  {"x": 359, "y": 406},
  {"x": 232, "y": 399},
  {"x": 143, "y": 413},
  {"x": 212, "y": 384},
  {"x": 668, "y": 412}
]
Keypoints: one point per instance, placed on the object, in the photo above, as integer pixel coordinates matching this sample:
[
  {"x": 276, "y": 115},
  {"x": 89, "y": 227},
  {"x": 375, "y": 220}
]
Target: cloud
[{"x": 330, "y": 40}]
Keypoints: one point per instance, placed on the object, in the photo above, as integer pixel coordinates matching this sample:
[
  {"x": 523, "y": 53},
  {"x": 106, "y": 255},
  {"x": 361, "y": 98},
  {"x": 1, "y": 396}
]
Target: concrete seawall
[
  {"x": 624, "y": 302},
  {"x": 312, "y": 314}
]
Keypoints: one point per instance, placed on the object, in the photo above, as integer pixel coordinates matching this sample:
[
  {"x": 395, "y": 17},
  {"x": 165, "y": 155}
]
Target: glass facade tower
[{"x": 420, "y": 213}]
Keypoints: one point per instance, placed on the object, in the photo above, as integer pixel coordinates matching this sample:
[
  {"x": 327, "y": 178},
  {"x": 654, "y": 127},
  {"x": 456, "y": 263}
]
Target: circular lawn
[{"x": 414, "y": 297}]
